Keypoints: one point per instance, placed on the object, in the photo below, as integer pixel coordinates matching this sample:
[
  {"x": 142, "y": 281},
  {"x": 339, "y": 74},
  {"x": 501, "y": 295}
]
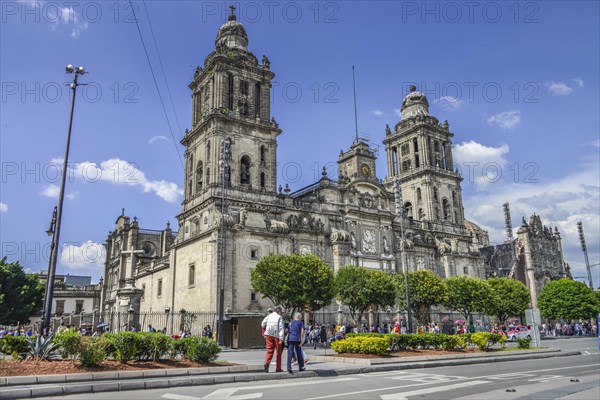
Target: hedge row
[
  {"x": 371, "y": 343},
  {"x": 122, "y": 346}
]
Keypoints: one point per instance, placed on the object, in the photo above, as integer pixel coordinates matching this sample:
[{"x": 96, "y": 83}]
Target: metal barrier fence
[{"x": 112, "y": 321}]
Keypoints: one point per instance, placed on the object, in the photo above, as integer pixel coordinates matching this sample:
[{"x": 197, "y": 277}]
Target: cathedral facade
[{"x": 233, "y": 213}]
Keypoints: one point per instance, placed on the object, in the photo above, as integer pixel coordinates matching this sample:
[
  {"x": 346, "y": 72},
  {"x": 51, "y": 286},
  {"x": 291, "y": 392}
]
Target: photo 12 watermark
[
  {"x": 54, "y": 92},
  {"x": 471, "y": 12},
  {"x": 318, "y": 12}
]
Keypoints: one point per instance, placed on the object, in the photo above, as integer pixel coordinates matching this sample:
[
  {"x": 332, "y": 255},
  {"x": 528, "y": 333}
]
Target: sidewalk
[{"x": 249, "y": 368}]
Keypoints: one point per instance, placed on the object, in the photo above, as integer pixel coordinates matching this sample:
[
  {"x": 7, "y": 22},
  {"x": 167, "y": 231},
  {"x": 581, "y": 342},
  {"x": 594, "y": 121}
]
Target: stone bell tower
[
  {"x": 231, "y": 100},
  {"x": 419, "y": 151}
]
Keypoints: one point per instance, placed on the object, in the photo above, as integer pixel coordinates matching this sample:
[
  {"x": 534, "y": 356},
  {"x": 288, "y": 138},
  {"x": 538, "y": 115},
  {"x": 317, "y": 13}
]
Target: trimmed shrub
[
  {"x": 363, "y": 345},
  {"x": 485, "y": 340},
  {"x": 152, "y": 346},
  {"x": 523, "y": 343},
  {"x": 93, "y": 350},
  {"x": 200, "y": 349},
  {"x": 177, "y": 348},
  {"x": 15, "y": 346},
  {"x": 124, "y": 345},
  {"x": 68, "y": 343},
  {"x": 454, "y": 342}
]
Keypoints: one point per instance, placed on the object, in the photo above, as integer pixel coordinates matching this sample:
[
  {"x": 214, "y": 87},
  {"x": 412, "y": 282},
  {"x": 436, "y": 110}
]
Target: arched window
[
  {"x": 394, "y": 161},
  {"x": 208, "y": 151},
  {"x": 207, "y": 176},
  {"x": 446, "y": 208},
  {"x": 408, "y": 210},
  {"x": 418, "y": 194},
  {"x": 263, "y": 179},
  {"x": 245, "y": 170},
  {"x": 190, "y": 194},
  {"x": 454, "y": 198},
  {"x": 191, "y": 163},
  {"x": 263, "y": 154},
  {"x": 199, "y": 176}
]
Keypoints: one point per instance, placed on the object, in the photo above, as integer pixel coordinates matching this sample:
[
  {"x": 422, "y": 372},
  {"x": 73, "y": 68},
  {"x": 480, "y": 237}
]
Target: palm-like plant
[{"x": 42, "y": 348}]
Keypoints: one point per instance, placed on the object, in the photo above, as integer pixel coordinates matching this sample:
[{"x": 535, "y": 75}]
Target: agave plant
[{"x": 42, "y": 348}]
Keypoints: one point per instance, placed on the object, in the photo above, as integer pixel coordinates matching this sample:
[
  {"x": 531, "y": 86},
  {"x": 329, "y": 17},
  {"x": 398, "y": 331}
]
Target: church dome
[
  {"x": 232, "y": 35},
  {"x": 414, "y": 104},
  {"x": 480, "y": 235}
]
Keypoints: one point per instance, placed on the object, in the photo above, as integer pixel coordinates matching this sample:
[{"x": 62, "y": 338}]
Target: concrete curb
[
  {"x": 125, "y": 375},
  {"x": 380, "y": 361},
  {"x": 26, "y": 388}
]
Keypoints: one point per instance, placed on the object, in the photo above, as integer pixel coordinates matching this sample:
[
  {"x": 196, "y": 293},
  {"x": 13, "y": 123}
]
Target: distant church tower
[{"x": 419, "y": 151}]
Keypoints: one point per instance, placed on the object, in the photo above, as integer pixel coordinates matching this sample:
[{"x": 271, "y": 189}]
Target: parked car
[{"x": 521, "y": 332}]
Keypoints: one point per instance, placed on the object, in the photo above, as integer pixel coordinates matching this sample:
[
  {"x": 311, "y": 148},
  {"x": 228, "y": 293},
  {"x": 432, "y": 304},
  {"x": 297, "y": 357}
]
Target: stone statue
[
  {"x": 265, "y": 62},
  {"x": 386, "y": 246},
  {"x": 388, "y": 131},
  {"x": 353, "y": 241}
]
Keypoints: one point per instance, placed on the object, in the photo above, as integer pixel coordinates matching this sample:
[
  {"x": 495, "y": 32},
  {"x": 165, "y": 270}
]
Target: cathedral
[{"x": 233, "y": 212}]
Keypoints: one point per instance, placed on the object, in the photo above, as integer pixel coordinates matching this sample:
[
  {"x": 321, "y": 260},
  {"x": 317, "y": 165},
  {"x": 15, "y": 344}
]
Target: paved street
[{"x": 575, "y": 377}]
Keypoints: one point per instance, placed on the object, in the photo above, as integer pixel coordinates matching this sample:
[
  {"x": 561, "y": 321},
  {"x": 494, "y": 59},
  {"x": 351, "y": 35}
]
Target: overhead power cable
[{"x": 162, "y": 103}]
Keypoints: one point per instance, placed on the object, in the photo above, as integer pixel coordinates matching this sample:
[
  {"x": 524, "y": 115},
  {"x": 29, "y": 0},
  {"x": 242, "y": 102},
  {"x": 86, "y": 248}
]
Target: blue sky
[{"x": 518, "y": 83}]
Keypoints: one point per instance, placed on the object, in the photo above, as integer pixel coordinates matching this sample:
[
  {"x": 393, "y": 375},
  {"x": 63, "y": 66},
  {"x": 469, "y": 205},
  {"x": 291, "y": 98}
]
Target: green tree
[
  {"x": 294, "y": 281},
  {"x": 425, "y": 289},
  {"x": 510, "y": 298},
  {"x": 467, "y": 295},
  {"x": 567, "y": 299},
  {"x": 360, "y": 288},
  {"x": 21, "y": 295}
]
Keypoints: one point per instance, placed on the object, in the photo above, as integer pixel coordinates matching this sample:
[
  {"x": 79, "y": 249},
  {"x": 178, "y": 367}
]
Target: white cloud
[
  {"x": 119, "y": 172},
  {"x": 480, "y": 164},
  {"x": 561, "y": 203},
  {"x": 3, "y": 207},
  {"x": 398, "y": 112},
  {"x": 596, "y": 143},
  {"x": 578, "y": 81},
  {"x": 53, "y": 191},
  {"x": 450, "y": 103},
  {"x": 558, "y": 88},
  {"x": 67, "y": 16},
  {"x": 506, "y": 120},
  {"x": 155, "y": 138},
  {"x": 88, "y": 256}
]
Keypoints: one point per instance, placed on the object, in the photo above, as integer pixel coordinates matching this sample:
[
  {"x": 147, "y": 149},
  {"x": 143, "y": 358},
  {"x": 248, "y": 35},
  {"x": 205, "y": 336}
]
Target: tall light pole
[
  {"x": 585, "y": 253},
  {"x": 403, "y": 263},
  {"x": 49, "y": 232},
  {"x": 61, "y": 196},
  {"x": 224, "y": 164}
]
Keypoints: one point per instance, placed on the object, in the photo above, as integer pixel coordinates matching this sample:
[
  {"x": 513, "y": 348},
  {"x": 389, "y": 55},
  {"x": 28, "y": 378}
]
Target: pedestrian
[
  {"x": 207, "y": 332},
  {"x": 273, "y": 333},
  {"x": 295, "y": 341},
  {"x": 151, "y": 328},
  {"x": 314, "y": 336}
]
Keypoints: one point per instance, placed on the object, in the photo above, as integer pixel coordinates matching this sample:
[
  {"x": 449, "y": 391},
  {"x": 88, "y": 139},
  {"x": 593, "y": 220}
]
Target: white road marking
[
  {"x": 179, "y": 397},
  {"x": 548, "y": 378},
  {"x": 420, "y": 377},
  {"x": 435, "y": 389},
  {"x": 227, "y": 394},
  {"x": 476, "y": 377}
]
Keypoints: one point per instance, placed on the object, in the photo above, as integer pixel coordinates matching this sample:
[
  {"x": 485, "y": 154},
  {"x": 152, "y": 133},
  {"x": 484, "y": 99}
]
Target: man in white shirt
[{"x": 273, "y": 333}]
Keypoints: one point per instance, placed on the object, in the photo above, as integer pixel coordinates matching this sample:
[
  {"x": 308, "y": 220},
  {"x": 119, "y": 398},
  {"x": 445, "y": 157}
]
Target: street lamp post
[
  {"x": 56, "y": 236},
  {"x": 224, "y": 164},
  {"x": 403, "y": 263},
  {"x": 50, "y": 232}
]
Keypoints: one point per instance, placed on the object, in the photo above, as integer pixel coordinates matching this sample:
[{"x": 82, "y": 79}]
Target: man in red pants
[{"x": 273, "y": 332}]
